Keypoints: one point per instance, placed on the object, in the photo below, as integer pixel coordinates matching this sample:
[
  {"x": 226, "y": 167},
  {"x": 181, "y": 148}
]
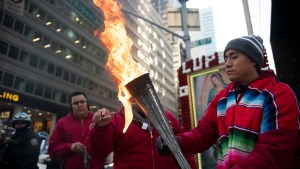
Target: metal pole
[{"x": 186, "y": 37}]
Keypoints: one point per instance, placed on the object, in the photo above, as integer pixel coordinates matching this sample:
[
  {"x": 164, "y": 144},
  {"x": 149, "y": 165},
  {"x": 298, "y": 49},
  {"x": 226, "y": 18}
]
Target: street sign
[{"x": 201, "y": 42}]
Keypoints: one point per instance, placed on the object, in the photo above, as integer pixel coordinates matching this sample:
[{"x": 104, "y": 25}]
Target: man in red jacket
[
  {"x": 255, "y": 118},
  {"x": 67, "y": 142},
  {"x": 136, "y": 148}
]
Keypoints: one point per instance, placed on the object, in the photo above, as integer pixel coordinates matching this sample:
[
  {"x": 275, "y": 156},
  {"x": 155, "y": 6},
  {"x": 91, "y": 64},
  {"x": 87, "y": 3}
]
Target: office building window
[
  {"x": 28, "y": 33},
  {"x": 48, "y": 92},
  {"x": 19, "y": 27},
  {"x": 50, "y": 68},
  {"x": 8, "y": 80},
  {"x": 58, "y": 72},
  {"x": 33, "y": 61},
  {"x": 63, "y": 97},
  {"x": 19, "y": 84},
  {"x": 8, "y": 21},
  {"x": 66, "y": 75},
  {"x": 42, "y": 65},
  {"x": 29, "y": 86},
  {"x": 39, "y": 89},
  {"x": 3, "y": 47},
  {"x": 24, "y": 57},
  {"x": 13, "y": 52},
  {"x": 1, "y": 14}
]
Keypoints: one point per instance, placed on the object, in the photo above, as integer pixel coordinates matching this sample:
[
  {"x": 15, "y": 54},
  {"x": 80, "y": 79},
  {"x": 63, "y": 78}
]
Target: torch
[{"x": 143, "y": 92}]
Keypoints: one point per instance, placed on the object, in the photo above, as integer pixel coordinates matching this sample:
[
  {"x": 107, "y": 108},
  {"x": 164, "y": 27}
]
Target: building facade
[{"x": 50, "y": 50}]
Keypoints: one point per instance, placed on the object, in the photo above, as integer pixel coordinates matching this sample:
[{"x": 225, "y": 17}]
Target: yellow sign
[{"x": 9, "y": 96}]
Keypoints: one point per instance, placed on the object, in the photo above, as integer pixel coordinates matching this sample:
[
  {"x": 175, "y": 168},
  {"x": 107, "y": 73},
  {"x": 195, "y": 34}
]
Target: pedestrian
[
  {"x": 136, "y": 147},
  {"x": 255, "y": 118},
  {"x": 23, "y": 148},
  {"x": 67, "y": 141}
]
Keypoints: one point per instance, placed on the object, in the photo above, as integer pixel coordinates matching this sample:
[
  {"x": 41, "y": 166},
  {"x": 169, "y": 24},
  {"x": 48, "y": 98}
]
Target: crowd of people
[{"x": 254, "y": 119}]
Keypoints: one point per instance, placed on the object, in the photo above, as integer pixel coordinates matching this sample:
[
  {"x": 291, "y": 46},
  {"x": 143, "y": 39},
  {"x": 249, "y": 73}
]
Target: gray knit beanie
[{"x": 251, "y": 46}]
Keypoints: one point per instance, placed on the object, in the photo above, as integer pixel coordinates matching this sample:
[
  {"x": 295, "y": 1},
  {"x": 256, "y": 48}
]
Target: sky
[{"x": 229, "y": 20}]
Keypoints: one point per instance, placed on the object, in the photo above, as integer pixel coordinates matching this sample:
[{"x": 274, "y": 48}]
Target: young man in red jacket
[
  {"x": 67, "y": 142},
  {"x": 136, "y": 148},
  {"x": 255, "y": 118}
]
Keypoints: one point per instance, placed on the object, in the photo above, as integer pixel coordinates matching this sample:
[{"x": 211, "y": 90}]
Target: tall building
[
  {"x": 49, "y": 50},
  {"x": 207, "y": 32}
]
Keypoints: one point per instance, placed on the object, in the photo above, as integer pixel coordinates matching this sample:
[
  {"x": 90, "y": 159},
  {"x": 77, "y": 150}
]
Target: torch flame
[{"x": 119, "y": 63}]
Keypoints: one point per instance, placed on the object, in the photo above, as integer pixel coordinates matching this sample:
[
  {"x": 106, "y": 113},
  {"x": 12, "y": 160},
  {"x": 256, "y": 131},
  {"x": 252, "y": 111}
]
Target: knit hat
[{"x": 251, "y": 46}]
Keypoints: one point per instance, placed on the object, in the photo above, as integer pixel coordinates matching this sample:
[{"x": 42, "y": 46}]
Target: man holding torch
[{"x": 136, "y": 148}]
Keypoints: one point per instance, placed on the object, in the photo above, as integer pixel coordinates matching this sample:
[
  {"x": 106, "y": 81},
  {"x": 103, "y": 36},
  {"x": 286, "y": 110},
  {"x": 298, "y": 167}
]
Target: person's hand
[
  {"x": 77, "y": 147},
  {"x": 103, "y": 117},
  {"x": 162, "y": 146}
]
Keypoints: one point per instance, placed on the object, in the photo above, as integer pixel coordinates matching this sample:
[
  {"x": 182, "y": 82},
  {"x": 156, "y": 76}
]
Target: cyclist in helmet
[{"x": 23, "y": 148}]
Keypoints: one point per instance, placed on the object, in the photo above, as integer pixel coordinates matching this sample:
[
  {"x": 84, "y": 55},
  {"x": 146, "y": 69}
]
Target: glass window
[
  {"x": 41, "y": 15},
  {"x": 28, "y": 33},
  {"x": 33, "y": 9},
  {"x": 33, "y": 61},
  {"x": 66, "y": 75},
  {"x": 37, "y": 37},
  {"x": 52, "y": 2},
  {"x": 63, "y": 97},
  {"x": 3, "y": 47},
  {"x": 58, "y": 72},
  {"x": 24, "y": 57},
  {"x": 56, "y": 95},
  {"x": 29, "y": 86},
  {"x": 39, "y": 89},
  {"x": 49, "y": 21},
  {"x": 1, "y": 14},
  {"x": 8, "y": 79},
  {"x": 8, "y": 21},
  {"x": 46, "y": 42},
  {"x": 73, "y": 78},
  {"x": 48, "y": 92},
  {"x": 42, "y": 65},
  {"x": 19, "y": 27},
  {"x": 50, "y": 68},
  {"x": 13, "y": 52},
  {"x": 79, "y": 81},
  {"x": 19, "y": 84}
]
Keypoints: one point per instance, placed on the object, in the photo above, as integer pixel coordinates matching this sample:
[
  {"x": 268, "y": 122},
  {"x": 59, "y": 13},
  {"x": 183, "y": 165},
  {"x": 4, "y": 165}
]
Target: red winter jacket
[
  {"x": 69, "y": 130},
  {"x": 134, "y": 149}
]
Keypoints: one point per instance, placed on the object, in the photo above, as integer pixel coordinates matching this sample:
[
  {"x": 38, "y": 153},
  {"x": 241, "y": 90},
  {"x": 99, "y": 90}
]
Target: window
[
  {"x": 19, "y": 27},
  {"x": 50, "y": 68},
  {"x": 29, "y": 86},
  {"x": 8, "y": 80},
  {"x": 58, "y": 72},
  {"x": 13, "y": 52},
  {"x": 66, "y": 75},
  {"x": 3, "y": 47},
  {"x": 63, "y": 98},
  {"x": 48, "y": 92},
  {"x": 39, "y": 90},
  {"x": 33, "y": 61},
  {"x": 19, "y": 84},
  {"x": 1, "y": 14},
  {"x": 8, "y": 21},
  {"x": 73, "y": 78},
  {"x": 24, "y": 57},
  {"x": 29, "y": 33},
  {"x": 56, "y": 95},
  {"x": 42, "y": 65}
]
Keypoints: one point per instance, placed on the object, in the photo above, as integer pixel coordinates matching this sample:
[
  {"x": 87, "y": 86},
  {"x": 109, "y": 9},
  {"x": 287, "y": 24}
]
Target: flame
[{"x": 119, "y": 63}]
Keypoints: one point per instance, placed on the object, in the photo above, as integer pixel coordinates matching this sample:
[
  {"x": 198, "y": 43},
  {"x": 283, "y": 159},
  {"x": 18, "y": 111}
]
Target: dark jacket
[{"x": 23, "y": 149}]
